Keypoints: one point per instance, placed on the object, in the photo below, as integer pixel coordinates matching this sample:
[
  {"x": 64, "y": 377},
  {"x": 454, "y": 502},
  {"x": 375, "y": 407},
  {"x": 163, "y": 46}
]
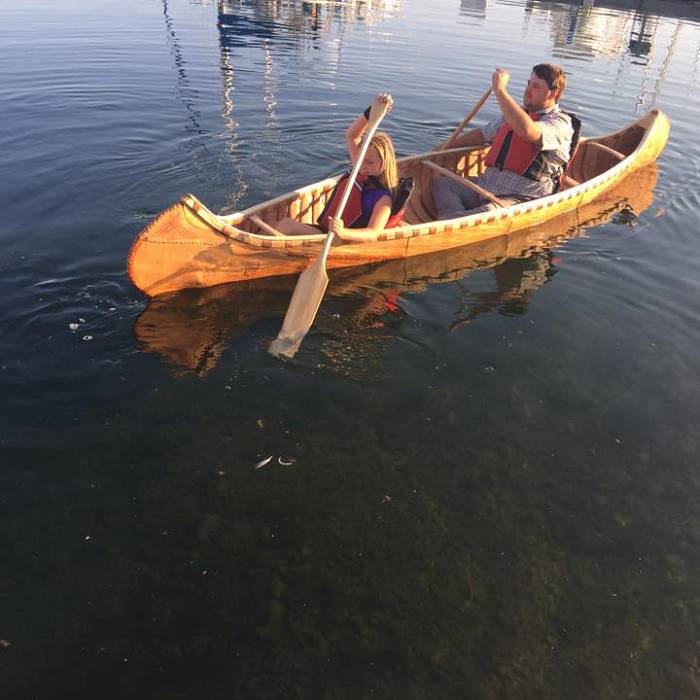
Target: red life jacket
[
  {"x": 510, "y": 152},
  {"x": 353, "y": 208},
  {"x": 394, "y": 220},
  {"x": 353, "y": 216}
]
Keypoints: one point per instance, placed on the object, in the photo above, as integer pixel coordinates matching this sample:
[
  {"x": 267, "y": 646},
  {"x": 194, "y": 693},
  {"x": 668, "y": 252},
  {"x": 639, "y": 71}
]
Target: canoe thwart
[
  {"x": 465, "y": 182},
  {"x": 265, "y": 227}
]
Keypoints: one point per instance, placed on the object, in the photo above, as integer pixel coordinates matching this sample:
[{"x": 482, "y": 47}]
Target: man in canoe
[{"x": 530, "y": 146}]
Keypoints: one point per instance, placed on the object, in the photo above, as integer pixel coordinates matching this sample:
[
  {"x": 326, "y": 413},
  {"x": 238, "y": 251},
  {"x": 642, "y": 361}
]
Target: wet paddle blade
[{"x": 302, "y": 310}]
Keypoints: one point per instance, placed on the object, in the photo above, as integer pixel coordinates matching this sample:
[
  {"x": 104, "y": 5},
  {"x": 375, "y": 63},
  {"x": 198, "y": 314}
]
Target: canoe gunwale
[
  {"x": 647, "y": 122},
  {"x": 330, "y": 181}
]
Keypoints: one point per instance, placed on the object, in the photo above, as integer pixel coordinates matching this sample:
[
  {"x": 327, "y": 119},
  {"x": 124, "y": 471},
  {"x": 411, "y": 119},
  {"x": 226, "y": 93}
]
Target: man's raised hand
[{"x": 499, "y": 80}]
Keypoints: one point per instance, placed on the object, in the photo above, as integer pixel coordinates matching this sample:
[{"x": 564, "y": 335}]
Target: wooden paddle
[
  {"x": 427, "y": 178},
  {"x": 313, "y": 281},
  {"x": 466, "y": 120}
]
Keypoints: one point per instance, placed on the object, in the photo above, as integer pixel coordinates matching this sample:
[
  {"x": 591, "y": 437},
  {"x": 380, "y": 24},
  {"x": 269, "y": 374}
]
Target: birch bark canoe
[{"x": 189, "y": 246}]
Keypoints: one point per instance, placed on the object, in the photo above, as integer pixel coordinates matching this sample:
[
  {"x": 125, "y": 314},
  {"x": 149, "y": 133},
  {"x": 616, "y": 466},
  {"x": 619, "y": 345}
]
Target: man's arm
[
  {"x": 475, "y": 137},
  {"x": 513, "y": 113}
]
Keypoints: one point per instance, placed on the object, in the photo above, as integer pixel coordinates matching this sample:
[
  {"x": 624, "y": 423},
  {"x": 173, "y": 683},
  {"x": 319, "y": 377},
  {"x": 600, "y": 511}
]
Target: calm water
[{"x": 494, "y": 484}]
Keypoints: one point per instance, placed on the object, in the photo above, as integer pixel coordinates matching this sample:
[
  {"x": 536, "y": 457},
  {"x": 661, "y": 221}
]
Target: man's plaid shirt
[{"x": 557, "y": 133}]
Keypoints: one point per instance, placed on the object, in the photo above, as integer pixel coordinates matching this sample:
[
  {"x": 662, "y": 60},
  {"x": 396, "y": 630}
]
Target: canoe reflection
[{"x": 190, "y": 329}]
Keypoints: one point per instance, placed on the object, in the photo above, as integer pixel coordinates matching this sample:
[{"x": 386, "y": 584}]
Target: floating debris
[
  {"x": 260, "y": 423},
  {"x": 4, "y": 643},
  {"x": 74, "y": 326},
  {"x": 284, "y": 463},
  {"x": 263, "y": 462},
  {"x": 87, "y": 337}
]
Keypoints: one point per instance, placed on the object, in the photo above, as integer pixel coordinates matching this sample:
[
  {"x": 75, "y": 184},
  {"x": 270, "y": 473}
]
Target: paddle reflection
[{"x": 192, "y": 328}]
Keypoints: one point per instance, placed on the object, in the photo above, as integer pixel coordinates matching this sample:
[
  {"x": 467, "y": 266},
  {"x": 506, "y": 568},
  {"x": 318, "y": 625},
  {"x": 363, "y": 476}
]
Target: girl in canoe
[{"x": 369, "y": 208}]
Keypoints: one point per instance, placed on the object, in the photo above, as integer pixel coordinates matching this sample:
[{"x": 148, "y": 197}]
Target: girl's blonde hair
[{"x": 389, "y": 175}]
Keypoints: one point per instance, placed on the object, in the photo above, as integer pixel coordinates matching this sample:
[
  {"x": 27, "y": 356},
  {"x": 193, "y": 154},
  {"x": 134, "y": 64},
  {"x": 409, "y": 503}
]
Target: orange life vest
[
  {"x": 353, "y": 216},
  {"x": 510, "y": 152},
  {"x": 395, "y": 219},
  {"x": 353, "y": 208}
]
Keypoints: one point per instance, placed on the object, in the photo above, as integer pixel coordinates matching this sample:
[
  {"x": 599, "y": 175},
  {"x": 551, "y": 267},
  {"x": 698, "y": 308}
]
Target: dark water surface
[{"x": 494, "y": 487}]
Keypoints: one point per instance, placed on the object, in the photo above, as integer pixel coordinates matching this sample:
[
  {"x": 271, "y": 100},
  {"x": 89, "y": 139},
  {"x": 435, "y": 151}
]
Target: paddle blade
[{"x": 302, "y": 309}]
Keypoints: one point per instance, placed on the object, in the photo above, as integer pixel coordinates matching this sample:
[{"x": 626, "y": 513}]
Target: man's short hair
[{"x": 553, "y": 76}]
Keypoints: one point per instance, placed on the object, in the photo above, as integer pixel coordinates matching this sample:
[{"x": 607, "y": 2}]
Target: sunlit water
[{"x": 484, "y": 479}]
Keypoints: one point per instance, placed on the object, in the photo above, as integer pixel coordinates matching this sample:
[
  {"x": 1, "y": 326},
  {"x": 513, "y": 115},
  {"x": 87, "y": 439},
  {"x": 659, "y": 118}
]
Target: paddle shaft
[
  {"x": 466, "y": 120},
  {"x": 374, "y": 120}
]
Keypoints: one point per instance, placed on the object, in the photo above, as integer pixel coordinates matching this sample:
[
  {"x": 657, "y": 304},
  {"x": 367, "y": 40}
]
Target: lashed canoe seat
[
  {"x": 606, "y": 149},
  {"x": 591, "y": 159}
]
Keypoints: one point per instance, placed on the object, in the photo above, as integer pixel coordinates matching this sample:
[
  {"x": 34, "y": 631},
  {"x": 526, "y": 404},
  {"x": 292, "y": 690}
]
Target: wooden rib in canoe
[{"x": 189, "y": 246}]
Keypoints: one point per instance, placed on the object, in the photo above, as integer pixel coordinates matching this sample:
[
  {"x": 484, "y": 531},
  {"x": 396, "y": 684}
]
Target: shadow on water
[{"x": 191, "y": 329}]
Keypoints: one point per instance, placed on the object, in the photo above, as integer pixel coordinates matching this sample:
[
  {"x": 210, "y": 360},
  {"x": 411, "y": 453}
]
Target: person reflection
[{"x": 516, "y": 280}]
